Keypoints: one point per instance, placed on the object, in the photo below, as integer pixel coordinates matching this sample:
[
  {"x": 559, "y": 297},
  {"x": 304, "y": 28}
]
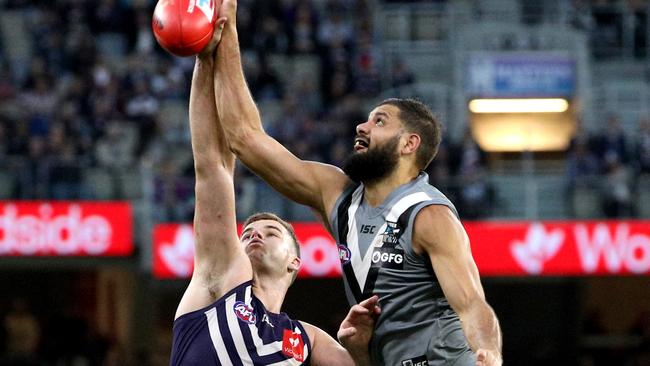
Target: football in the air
[{"x": 184, "y": 27}]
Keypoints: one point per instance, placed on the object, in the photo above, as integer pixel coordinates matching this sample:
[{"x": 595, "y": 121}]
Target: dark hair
[
  {"x": 270, "y": 216},
  {"x": 419, "y": 119}
]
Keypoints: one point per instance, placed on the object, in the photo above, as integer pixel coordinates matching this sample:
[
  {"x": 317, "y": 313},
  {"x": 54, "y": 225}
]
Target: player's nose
[
  {"x": 363, "y": 128},
  {"x": 256, "y": 234}
]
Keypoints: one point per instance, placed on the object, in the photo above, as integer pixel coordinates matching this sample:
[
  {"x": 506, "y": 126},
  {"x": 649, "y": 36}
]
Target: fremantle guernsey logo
[{"x": 244, "y": 312}]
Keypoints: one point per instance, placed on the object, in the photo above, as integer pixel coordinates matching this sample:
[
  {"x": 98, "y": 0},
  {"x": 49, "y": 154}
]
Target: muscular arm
[
  {"x": 220, "y": 262},
  {"x": 325, "y": 351},
  {"x": 313, "y": 184},
  {"x": 439, "y": 234}
]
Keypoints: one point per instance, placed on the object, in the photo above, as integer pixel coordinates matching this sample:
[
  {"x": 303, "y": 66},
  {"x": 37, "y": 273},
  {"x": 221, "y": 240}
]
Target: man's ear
[
  {"x": 411, "y": 143},
  {"x": 295, "y": 264}
]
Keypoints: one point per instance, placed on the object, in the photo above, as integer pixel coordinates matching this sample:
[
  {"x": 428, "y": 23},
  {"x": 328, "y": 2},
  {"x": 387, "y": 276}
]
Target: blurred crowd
[
  {"x": 97, "y": 92},
  {"x": 610, "y": 164},
  {"x": 89, "y": 102}
]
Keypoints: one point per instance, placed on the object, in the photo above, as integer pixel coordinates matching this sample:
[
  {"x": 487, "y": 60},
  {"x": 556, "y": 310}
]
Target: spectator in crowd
[
  {"x": 611, "y": 144},
  {"x": 617, "y": 189},
  {"x": 475, "y": 192},
  {"x": 578, "y": 14},
  {"x": 266, "y": 85},
  {"x": 439, "y": 170},
  {"x": 64, "y": 170},
  {"x": 401, "y": 75},
  {"x": 301, "y": 27},
  {"x": 642, "y": 148},
  {"x": 34, "y": 171},
  {"x": 581, "y": 169},
  {"x": 366, "y": 67},
  {"x": 23, "y": 335}
]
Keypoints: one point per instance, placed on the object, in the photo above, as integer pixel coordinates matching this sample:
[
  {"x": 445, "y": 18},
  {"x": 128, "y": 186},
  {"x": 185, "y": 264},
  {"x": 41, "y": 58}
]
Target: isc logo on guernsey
[{"x": 387, "y": 257}]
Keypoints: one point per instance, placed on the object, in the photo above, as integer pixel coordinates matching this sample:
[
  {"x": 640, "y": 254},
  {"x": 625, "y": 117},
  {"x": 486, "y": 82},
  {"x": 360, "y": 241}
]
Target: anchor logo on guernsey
[{"x": 244, "y": 312}]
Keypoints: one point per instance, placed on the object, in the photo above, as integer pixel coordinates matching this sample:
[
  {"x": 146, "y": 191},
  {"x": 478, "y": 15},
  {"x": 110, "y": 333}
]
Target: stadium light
[{"x": 544, "y": 105}]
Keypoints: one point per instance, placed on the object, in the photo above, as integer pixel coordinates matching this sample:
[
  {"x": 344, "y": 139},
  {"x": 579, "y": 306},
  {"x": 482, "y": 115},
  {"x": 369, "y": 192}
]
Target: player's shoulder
[
  {"x": 437, "y": 212},
  {"x": 435, "y": 217},
  {"x": 313, "y": 332},
  {"x": 433, "y": 223},
  {"x": 198, "y": 297}
]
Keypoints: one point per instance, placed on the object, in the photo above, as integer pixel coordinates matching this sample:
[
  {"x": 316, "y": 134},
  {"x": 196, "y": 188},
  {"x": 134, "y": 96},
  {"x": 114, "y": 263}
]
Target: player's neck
[
  {"x": 375, "y": 193},
  {"x": 270, "y": 291}
]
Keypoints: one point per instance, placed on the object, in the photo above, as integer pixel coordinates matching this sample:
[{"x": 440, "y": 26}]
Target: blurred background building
[{"x": 91, "y": 109}]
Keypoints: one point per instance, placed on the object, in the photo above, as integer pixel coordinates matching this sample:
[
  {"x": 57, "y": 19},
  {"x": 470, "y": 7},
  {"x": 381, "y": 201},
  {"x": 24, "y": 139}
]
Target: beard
[{"x": 374, "y": 164}]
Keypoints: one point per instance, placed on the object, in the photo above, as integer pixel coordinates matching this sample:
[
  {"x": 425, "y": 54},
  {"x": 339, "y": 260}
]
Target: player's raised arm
[
  {"x": 440, "y": 235},
  {"x": 310, "y": 183},
  {"x": 220, "y": 262}
]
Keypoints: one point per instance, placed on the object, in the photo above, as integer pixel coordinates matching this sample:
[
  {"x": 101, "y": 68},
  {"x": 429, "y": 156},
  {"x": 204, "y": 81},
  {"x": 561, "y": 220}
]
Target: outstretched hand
[
  {"x": 485, "y": 357},
  {"x": 226, "y": 12},
  {"x": 208, "y": 51},
  {"x": 357, "y": 327},
  {"x": 228, "y": 9}
]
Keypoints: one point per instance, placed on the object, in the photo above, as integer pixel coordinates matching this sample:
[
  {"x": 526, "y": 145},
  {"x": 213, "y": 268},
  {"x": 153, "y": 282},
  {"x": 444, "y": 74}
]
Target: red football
[{"x": 184, "y": 27}]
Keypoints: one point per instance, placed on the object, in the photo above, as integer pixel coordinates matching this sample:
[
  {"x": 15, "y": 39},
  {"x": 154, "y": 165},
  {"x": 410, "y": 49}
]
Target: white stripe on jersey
[
  {"x": 353, "y": 239},
  {"x": 235, "y": 331},
  {"x": 215, "y": 335},
  {"x": 362, "y": 267},
  {"x": 262, "y": 349},
  {"x": 238, "y": 338}
]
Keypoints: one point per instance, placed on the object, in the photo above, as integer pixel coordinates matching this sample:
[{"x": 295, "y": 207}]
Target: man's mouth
[
  {"x": 360, "y": 144},
  {"x": 255, "y": 242}
]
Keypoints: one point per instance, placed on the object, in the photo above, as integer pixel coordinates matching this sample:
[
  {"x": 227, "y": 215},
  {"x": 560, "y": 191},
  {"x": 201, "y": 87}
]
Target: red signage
[
  {"x": 500, "y": 249},
  {"x": 60, "y": 228},
  {"x": 173, "y": 248},
  {"x": 560, "y": 248}
]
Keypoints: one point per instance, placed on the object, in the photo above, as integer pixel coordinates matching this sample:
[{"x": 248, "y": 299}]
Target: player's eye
[{"x": 380, "y": 122}]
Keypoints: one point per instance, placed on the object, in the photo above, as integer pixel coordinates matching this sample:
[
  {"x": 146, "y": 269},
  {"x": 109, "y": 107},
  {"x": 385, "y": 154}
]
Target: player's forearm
[
  {"x": 239, "y": 115},
  {"x": 360, "y": 357},
  {"x": 207, "y": 146},
  {"x": 481, "y": 327}
]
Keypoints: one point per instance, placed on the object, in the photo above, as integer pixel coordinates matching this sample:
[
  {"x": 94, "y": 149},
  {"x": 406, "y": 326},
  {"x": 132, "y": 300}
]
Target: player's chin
[{"x": 255, "y": 252}]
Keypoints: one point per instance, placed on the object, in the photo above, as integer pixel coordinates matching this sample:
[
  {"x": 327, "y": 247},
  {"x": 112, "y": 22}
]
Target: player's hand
[
  {"x": 357, "y": 327},
  {"x": 228, "y": 9},
  {"x": 208, "y": 51},
  {"x": 486, "y": 357}
]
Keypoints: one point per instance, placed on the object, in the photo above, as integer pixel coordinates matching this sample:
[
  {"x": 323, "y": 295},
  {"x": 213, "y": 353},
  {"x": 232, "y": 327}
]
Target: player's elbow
[
  {"x": 240, "y": 142},
  {"x": 206, "y": 164},
  {"x": 467, "y": 302}
]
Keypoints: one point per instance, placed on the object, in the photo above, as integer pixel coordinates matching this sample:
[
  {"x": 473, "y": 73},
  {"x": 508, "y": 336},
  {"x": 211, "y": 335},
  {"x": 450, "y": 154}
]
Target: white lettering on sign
[
  {"x": 64, "y": 234},
  {"x": 617, "y": 250}
]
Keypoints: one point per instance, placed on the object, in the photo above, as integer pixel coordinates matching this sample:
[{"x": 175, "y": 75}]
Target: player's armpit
[
  {"x": 440, "y": 235},
  {"x": 325, "y": 351}
]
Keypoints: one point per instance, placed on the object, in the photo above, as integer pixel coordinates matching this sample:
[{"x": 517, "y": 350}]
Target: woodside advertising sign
[
  {"x": 521, "y": 248},
  {"x": 65, "y": 229}
]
